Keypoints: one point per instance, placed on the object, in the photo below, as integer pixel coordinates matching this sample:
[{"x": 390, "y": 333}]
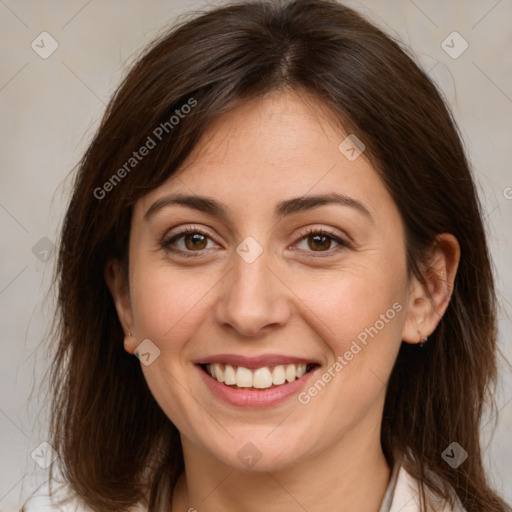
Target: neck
[{"x": 350, "y": 476}]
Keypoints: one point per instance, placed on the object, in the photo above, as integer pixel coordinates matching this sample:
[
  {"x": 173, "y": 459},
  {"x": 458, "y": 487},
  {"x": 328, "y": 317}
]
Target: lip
[
  {"x": 251, "y": 398},
  {"x": 252, "y": 363}
]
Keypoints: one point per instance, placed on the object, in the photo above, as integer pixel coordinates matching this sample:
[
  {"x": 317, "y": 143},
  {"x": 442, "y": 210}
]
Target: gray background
[{"x": 51, "y": 107}]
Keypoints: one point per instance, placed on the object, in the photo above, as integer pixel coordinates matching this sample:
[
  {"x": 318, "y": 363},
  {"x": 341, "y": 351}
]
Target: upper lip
[{"x": 255, "y": 362}]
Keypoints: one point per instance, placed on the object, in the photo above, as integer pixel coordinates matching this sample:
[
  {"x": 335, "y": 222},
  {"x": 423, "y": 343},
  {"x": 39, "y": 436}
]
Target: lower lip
[{"x": 247, "y": 397}]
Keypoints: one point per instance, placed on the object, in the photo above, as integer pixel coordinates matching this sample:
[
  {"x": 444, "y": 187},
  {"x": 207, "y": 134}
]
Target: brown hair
[{"x": 116, "y": 445}]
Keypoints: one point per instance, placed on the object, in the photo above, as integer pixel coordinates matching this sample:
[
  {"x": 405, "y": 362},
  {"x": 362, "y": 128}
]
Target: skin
[{"x": 293, "y": 300}]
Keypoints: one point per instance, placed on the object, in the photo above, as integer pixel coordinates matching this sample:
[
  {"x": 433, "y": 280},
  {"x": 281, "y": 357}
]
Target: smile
[
  {"x": 264, "y": 377},
  {"x": 259, "y": 381}
]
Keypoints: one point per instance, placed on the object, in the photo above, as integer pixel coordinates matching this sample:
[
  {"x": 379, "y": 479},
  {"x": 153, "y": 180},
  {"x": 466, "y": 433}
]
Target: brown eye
[
  {"x": 188, "y": 242},
  {"x": 195, "y": 241},
  {"x": 319, "y": 242}
]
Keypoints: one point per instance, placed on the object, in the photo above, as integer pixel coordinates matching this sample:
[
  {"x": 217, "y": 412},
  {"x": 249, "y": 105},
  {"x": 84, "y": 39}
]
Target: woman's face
[{"x": 269, "y": 281}]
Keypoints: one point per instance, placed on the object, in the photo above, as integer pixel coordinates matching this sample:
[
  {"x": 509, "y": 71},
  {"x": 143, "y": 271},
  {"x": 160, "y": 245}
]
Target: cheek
[
  {"x": 166, "y": 302},
  {"x": 360, "y": 320},
  {"x": 359, "y": 315},
  {"x": 167, "y": 305},
  {"x": 347, "y": 303}
]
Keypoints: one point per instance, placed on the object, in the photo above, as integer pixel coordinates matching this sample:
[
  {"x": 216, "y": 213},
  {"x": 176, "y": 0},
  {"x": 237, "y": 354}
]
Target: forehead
[{"x": 282, "y": 145}]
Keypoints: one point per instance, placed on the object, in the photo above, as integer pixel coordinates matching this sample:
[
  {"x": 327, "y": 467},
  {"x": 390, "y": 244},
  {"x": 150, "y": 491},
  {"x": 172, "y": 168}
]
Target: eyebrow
[{"x": 283, "y": 208}]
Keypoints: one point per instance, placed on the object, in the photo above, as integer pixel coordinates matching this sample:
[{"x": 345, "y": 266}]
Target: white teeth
[
  {"x": 243, "y": 377},
  {"x": 229, "y": 375},
  {"x": 290, "y": 373},
  {"x": 278, "y": 376},
  {"x": 260, "y": 378},
  {"x": 219, "y": 374}
]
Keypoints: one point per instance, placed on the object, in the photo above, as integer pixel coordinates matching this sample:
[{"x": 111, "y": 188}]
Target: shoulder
[
  {"x": 406, "y": 496},
  {"x": 58, "y": 497}
]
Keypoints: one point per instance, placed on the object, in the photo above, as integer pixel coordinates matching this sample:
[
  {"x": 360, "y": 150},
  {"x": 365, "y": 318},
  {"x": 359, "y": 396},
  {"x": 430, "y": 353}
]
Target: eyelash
[{"x": 166, "y": 244}]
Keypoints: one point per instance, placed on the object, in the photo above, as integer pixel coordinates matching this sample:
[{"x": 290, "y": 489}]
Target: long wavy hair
[{"x": 116, "y": 446}]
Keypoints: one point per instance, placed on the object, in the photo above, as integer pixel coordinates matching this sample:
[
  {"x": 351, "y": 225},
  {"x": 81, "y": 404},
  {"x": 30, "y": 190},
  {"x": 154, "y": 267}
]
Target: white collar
[{"x": 403, "y": 495}]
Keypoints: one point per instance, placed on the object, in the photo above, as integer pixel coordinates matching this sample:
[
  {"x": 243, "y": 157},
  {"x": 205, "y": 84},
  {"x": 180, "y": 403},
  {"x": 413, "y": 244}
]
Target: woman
[{"x": 270, "y": 219}]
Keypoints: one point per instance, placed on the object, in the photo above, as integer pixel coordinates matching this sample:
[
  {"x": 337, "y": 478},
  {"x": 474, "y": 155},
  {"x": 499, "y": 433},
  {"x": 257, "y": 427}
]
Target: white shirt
[{"x": 402, "y": 495}]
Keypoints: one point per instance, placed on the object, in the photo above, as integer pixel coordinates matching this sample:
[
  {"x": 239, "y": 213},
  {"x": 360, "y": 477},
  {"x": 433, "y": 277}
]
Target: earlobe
[
  {"x": 130, "y": 343},
  {"x": 118, "y": 287},
  {"x": 428, "y": 302}
]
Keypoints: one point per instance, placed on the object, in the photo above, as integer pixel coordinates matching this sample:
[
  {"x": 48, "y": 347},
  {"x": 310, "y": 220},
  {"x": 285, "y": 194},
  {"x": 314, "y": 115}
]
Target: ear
[
  {"x": 426, "y": 306},
  {"x": 118, "y": 285}
]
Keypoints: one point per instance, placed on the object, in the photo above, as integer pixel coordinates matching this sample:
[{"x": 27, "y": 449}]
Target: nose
[{"x": 253, "y": 300}]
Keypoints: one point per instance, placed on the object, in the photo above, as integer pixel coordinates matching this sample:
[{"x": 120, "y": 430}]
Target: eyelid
[{"x": 184, "y": 231}]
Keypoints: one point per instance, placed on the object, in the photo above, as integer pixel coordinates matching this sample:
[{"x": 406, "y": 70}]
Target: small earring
[{"x": 423, "y": 339}]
